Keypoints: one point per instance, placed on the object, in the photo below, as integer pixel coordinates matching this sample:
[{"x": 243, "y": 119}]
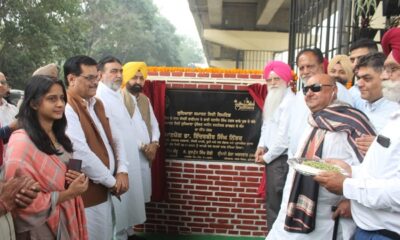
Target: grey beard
[
  {"x": 391, "y": 90},
  {"x": 114, "y": 85}
]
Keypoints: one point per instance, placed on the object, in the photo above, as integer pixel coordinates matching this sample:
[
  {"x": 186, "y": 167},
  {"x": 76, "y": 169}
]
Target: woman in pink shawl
[{"x": 41, "y": 150}]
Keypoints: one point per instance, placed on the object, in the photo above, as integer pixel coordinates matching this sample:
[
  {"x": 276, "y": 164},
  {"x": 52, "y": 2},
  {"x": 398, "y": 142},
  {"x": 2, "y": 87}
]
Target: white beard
[
  {"x": 272, "y": 101},
  {"x": 391, "y": 90}
]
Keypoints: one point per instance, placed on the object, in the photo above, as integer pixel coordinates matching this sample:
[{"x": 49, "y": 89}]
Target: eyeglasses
[
  {"x": 389, "y": 69},
  {"x": 315, "y": 87},
  {"x": 4, "y": 82},
  {"x": 90, "y": 78}
]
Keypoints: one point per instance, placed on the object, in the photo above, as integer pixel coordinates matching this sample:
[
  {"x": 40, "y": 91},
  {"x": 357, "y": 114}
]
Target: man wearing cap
[
  {"x": 50, "y": 70},
  {"x": 278, "y": 76},
  {"x": 140, "y": 110},
  {"x": 374, "y": 186},
  {"x": 340, "y": 69}
]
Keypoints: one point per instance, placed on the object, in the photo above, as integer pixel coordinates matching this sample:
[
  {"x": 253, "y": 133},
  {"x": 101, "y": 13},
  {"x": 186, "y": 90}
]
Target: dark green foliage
[{"x": 37, "y": 32}]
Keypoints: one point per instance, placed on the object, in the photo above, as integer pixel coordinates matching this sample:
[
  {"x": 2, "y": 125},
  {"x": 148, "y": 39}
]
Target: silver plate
[{"x": 297, "y": 165}]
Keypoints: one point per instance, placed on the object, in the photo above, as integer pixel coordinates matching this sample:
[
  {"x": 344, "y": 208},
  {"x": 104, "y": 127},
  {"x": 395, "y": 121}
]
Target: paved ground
[{"x": 157, "y": 236}]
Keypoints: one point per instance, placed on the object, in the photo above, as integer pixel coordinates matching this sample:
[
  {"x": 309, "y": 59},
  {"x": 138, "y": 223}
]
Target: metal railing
[
  {"x": 253, "y": 59},
  {"x": 325, "y": 24}
]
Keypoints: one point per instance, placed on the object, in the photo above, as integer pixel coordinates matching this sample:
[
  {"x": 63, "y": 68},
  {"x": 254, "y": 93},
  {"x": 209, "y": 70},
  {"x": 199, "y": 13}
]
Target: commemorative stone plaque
[{"x": 211, "y": 125}]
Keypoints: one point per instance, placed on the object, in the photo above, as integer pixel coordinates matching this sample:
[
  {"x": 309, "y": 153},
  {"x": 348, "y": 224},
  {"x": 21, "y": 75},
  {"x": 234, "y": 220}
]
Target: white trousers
[{"x": 100, "y": 223}]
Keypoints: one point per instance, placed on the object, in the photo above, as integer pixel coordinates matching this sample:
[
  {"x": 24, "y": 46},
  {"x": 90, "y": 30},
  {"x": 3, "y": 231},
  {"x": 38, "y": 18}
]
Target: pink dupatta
[{"x": 49, "y": 171}]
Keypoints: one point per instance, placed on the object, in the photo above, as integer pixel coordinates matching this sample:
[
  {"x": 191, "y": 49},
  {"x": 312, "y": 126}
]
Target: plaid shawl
[
  {"x": 301, "y": 210},
  {"x": 49, "y": 171}
]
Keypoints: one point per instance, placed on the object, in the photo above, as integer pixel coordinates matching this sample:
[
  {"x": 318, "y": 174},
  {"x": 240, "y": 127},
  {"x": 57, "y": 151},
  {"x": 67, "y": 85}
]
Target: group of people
[
  {"x": 77, "y": 161},
  {"x": 356, "y": 129}
]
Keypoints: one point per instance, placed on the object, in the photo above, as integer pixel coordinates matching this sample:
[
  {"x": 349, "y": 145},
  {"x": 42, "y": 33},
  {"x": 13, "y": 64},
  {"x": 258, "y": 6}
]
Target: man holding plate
[
  {"x": 374, "y": 186},
  {"x": 331, "y": 131}
]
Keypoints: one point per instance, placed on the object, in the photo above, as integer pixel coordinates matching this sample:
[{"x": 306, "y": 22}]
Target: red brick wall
[
  {"x": 213, "y": 198},
  {"x": 210, "y": 198}
]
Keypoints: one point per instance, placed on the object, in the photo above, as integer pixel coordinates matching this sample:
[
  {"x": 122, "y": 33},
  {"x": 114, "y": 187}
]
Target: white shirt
[
  {"x": 270, "y": 128},
  {"x": 7, "y": 112},
  {"x": 356, "y": 96},
  {"x": 375, "y": 184},
  {"x": 379, "y": 111},
  {"x": 335, "y": 146},
  {"x": 92, "y": 166}
]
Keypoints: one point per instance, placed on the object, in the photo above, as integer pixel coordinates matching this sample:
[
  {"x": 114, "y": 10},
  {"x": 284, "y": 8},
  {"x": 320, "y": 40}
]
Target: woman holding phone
[{"x": 41, "y": 150}]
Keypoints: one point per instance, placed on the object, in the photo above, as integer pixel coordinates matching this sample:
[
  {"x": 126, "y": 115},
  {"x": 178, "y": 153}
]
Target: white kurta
[
  {"x": 99, "y": 218},
  {"x": 269, "y": 129},
  {"x": 335, "y": 146},
  {"x": 131, "y": 209},
  {"x": 144, "y": 138},
  {"x": 7, "y": 112},
  {"x": 374, "y": 189}
]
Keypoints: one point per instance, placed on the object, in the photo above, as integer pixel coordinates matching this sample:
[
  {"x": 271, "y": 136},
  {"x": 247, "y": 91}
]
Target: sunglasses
[{"x": 315, "y": 87}]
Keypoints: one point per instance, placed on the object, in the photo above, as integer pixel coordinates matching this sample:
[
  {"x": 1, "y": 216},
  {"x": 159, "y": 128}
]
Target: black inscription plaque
[{"x": 211, "y": 125}]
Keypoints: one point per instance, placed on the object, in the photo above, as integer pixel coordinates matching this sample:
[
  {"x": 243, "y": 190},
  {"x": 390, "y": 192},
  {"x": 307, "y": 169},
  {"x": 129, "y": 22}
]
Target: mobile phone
[
  {"x": 383, "y": 141},
  {"x": 75, "y": 164}
]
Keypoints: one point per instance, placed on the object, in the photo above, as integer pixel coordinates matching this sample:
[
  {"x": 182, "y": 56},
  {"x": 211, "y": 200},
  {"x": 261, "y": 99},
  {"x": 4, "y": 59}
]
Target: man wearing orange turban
[
  {"x": 340, "y": 68},
  {"x": 139, "y": 107}
]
